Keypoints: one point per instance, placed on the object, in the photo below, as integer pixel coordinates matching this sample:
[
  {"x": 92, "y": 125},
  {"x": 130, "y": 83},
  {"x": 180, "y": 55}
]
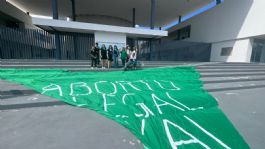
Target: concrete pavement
[{"x": 30, "y": 120}]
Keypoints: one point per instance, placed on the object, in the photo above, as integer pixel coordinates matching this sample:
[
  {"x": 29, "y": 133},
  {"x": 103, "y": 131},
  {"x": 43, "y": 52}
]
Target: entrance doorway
[{"x": 258, "y": 51}]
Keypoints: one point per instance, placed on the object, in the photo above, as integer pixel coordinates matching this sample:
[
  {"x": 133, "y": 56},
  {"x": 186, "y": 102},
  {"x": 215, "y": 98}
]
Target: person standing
[
  {"x": 116, "y": 56},
  {"x": 128, "y": 50},
  {"x": 97, "y": 53},
  {"x": 110, "y": 56},
  {"x": 136, "y": 53},
  {"x": 104, "y": 56},
  {"x": 93, "y": 58},
  {"x": 124, "y": 56}
]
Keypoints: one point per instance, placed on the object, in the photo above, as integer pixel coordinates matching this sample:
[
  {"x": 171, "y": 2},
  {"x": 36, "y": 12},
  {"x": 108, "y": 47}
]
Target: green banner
[{"x": 163, "y": 107}]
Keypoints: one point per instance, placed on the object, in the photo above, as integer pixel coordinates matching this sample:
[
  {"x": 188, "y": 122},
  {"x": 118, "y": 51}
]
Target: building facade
[
  {"x": 235, "y": 29},
  {"x": 229, "y": 31}
]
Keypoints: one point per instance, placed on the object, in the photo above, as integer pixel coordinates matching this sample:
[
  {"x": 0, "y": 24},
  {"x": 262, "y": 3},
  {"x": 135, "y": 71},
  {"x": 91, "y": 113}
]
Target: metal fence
[
  {"x": 143, "y": 45},
  {"x": 155, "y": 50},
  {"x": 39, "y": 44},
  {"x": 181, "y": 51}
]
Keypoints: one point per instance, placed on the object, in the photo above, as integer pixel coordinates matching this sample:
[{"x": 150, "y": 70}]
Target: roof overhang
[
  {"x": 11, "y": 13},
  {"x": 111, "y": 11},
  {"x": 80, "y": 27}
]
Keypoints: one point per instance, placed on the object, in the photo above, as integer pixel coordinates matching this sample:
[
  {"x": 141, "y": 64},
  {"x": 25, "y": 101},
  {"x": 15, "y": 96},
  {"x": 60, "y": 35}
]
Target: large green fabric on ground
[{"x": 162, "y": 107}]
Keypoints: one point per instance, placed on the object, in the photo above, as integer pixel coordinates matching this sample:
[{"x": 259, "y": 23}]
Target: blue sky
[{"x": 184, "y": 18}]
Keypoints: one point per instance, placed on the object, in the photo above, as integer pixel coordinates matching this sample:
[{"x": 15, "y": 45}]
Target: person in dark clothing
[
  {"x": 97, "y": 53},
  {"x": 110, "y": 55},
  {"x": 104, "y": 56},
  {"x": 116, "y": 56},
  {"x": 93, "y": 57}
]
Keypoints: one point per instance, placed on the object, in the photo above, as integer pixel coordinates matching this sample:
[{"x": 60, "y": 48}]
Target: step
[
  {"x": 44, "y": 66},
  {"x": 217, "y": 87},
  {"x": 234, "y": 64},
  {"x": 204, "y": 75},
  {"x": 230, "y": 70},
  {"x": 208, "y": 80},
  {"x": 231, "y": 67}
]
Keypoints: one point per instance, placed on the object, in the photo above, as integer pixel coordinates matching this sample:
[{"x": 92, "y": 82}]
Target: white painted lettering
[
  {"x": 175, "y": 144},
  {"x": 113, "y": 85},
  {"x": 52, "y": 87},
  {"x": 172, "y": 84},
  {"x": 155, "y": 99},
  {"x": 123, "y": 83},
  {"x": 105, "y": 102}
]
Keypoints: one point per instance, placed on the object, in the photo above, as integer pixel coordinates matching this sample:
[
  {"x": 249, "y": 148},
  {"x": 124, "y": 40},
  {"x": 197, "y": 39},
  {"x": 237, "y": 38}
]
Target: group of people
[{"x": 112, "y": 54}]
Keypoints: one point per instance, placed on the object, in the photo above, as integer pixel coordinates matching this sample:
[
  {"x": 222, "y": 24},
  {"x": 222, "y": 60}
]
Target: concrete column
[
  {"x": 159, "y": 41},
  {"x": 73, "y": 10},
  {"x": 151, "y": 48},
  {"x": 133, "y": 17},
  {"x": 58, "y": 46},
  {"x": 55, "y": 9},
  {"x": 180, "y": 17},
  {"x": 152, "y": 26},
  {"x": 152, "y": 17},
  {"x": 55, "y": 16},
  {"x": 74, "y": 35},
  {"x": 75, "y": 47}
]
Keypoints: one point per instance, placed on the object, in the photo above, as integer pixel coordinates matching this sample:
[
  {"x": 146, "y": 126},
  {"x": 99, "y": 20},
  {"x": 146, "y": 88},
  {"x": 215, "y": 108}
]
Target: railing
[
  {"x": 181, "y": 51},
  {"x": 39, "y": 44}
]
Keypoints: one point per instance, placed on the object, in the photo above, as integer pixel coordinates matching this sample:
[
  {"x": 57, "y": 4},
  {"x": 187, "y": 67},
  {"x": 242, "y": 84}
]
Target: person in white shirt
[
  {"x": 132, "y": 58},
  {"x": 132, "y": 55}
]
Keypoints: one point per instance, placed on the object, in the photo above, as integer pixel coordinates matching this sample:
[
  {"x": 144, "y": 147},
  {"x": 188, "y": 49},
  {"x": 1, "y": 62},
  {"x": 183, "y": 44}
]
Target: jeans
[
  {"x": 93, "y": 62},
  {"x": 131, "y": 63},
  {"x": 116, "y": 62},
  {"x": 97, "y": 60}
]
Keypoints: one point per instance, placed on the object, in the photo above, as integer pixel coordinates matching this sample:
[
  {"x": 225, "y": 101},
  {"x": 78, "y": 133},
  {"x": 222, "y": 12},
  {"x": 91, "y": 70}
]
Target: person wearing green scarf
[{"x": 123, "y": 56}]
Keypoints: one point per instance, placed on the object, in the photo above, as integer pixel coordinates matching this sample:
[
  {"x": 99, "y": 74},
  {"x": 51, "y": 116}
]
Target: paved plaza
[{"x": 30, "y": 120}]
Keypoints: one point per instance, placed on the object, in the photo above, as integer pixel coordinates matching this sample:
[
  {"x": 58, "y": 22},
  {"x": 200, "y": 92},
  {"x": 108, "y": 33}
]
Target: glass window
[
  {"x": 182, "y": 33},
  {"x": 226, "y": 51},
  {"x": 258, "y": 51}
]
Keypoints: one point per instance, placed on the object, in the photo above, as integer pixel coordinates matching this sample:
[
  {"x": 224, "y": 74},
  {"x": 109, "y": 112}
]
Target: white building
[{"x": 234, "y": 28}]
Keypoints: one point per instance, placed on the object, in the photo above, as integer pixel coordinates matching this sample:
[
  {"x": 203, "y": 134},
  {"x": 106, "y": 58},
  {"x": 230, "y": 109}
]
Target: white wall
[
  {"x": 230, "y": 20},
  {"x": 101, "y": 19},
  {"x": 241, "y": 51},
  {"x": 109, "y": 38},
  {"x": 72, "y": 26},
  {"x": 234, "y": 23}
]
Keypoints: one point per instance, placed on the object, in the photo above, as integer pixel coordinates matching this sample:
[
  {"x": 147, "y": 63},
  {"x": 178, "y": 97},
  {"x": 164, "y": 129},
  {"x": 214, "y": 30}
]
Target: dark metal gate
[
  {"x": 143, "y": 45},
  {"x": 39, "y": 44}
]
